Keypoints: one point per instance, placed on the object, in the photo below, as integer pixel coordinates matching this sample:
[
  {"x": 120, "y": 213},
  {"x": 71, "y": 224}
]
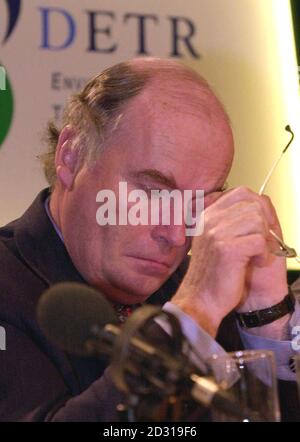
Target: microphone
[
  {"x": 67, "y": 313},
  {"x": 78, "y": 319}
]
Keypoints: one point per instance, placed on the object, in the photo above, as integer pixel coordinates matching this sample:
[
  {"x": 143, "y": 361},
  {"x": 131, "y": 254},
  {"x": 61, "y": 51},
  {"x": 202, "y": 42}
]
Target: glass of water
[{"x": 249, "y": 378}]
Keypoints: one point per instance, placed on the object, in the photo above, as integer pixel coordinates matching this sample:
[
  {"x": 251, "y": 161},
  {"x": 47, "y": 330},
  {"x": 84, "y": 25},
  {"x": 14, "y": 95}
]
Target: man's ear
[{"x": 66, "y": 157}]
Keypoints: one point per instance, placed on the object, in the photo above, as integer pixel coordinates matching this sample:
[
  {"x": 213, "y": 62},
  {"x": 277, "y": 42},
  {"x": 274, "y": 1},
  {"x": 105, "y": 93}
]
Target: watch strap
[{"x": 258, "y": 318}]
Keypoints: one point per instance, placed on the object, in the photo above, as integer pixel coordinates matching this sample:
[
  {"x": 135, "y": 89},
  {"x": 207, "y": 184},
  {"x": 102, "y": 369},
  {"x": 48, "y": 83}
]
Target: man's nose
[{"x": 172, "y": 235}]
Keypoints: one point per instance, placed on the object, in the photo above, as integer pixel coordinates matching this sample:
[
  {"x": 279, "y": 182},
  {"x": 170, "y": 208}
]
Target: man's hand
[
  {"x": 267, "y": 285},
  {"x": 232, "y": 266}
]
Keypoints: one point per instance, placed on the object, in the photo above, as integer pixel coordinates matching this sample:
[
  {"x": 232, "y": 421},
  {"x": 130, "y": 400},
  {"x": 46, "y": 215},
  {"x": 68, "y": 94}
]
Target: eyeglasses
[{"x": 284, "y": 249}]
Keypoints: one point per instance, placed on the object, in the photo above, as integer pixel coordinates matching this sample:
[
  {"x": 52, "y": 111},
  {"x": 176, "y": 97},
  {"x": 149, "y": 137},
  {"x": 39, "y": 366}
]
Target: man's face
[{"x": 161, "y": 143}]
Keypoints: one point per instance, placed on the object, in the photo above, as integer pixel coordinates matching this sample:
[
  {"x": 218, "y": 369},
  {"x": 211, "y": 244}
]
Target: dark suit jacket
[{"x": 38, "y": 381}]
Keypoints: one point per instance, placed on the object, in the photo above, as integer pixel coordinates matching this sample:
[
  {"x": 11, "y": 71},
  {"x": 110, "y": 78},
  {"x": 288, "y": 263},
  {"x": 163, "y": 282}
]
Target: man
[{"x": 155, "y": 125}]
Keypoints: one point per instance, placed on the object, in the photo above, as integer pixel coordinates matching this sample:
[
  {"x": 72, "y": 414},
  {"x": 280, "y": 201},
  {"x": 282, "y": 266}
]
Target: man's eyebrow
[{"x": 155, "y": 175}]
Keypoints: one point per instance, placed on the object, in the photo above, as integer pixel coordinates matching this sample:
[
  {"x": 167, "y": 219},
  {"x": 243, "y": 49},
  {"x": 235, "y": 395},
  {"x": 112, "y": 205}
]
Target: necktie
[{"x": 123, "y": 311}]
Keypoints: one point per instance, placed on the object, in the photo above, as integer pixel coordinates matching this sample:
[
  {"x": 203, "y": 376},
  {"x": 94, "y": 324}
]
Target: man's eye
[
  {"x": 155, "y": 192},
  {"x": 147, "y": 189},
  {"x": 150, "y": 190}
]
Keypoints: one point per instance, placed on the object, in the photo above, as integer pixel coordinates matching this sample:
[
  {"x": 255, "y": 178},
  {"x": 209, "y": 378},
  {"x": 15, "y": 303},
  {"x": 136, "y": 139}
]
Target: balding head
[{"x": 94, "y": 114}]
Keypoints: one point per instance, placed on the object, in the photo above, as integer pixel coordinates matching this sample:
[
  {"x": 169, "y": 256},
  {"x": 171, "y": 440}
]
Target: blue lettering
[
  {"x": 71, "y": 28},
  {"x": 185, "y": 38}
]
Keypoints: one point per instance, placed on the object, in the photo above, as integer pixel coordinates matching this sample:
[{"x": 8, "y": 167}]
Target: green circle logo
[{"x": 6, "y": 104}]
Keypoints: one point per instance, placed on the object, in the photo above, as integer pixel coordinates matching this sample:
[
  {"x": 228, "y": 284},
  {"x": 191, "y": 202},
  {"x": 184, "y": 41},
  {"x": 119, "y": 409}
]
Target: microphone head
[{"x": 67, "y": 313}]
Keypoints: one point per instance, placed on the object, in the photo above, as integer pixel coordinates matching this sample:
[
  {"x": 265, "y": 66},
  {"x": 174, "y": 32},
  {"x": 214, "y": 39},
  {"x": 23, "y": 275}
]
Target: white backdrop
[{"x": 244, "y": 48}]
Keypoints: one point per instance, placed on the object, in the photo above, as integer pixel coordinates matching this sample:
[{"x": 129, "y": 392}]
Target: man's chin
[{"x": 138, "y": 290}]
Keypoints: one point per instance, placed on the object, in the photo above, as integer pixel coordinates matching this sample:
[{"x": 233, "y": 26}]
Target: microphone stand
[{"x": 157, "y": 378}]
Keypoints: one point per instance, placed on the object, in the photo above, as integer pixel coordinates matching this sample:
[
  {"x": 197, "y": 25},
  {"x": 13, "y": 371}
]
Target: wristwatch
[{"x": 257, "y": 318}]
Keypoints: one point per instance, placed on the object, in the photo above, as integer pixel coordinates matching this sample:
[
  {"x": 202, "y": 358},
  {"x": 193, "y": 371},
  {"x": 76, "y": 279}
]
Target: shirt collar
[{"x": 47, "y": 208}]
